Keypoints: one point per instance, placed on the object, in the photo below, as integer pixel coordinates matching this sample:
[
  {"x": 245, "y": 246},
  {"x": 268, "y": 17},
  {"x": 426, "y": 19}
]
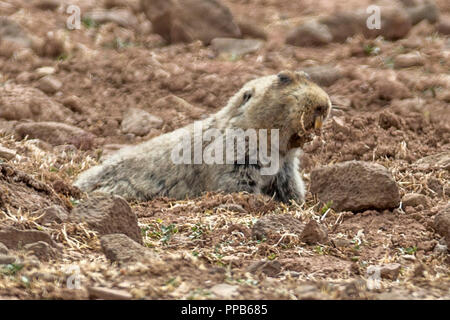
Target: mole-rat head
[{"x": 288, "y": 101}]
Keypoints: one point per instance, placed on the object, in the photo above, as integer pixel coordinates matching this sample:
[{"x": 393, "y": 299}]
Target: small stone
[
  {"x": 73, "y": 103},
  {"x": 49, "y": 84},
  {"x": 225, "y": 291},
  {"x": 271, "y": 227},
  {"x": 443, "y": 27},
  {"x": 314, "y": 233},
  {"x": 190, "y": 20},
  {"x": 139, "y": 122},
  {"x": 7, "y": 259},
  {"x": 108, "y": 294},
  {"x": 442, "y": 224},
  {"x": 52, "y": 214},
  {"x": 415, "y": 199},
  {"x": 427, "y": 11},
  {"x": 44, "y": 71},
  {"x": 310, "y": 33},
  {"x": 15, "y": 239},
  {"x": 41, "y": 249},
  {"x": 324, "y": 75},
  {"x": 409, "y": 60},
  {"x": 122, "y": 249},
  {"x": 235, "y": 47},
  {"x": 269, "y": 268},
  {"x": 122, "y": 17},
  {"x": 47, "y": 4},
  {"x": 56, "y": 134},
  {"x": 436, "y": 161},
  {"x": 7, "y": 154},
  {"x": 3, "y": 249},
  {"x": 387, "y": 271}
]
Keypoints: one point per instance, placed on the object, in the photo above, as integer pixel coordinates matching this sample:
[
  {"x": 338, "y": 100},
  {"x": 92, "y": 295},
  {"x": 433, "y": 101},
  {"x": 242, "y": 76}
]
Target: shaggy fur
[{"x": 287, "y": 101}]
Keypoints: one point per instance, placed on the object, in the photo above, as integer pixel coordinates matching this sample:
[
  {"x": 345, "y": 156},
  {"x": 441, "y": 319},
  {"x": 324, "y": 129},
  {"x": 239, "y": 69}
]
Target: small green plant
[
  {"x": 272, "y": 256},
  {"x": 168, "y": 232},
  {"x": 326, "y": 207},
  {"x": 371, "y": 50},
  {"x": 89, "y": 23},
  {"x": 12, "y": 269}
]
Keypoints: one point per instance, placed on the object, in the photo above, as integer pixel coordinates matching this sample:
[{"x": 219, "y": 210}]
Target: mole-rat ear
[
  {"x": 285, "y": 77},
  {"x": 303, "y": 74}
]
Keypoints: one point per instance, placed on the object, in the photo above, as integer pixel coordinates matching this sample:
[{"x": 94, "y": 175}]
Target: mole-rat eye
[
  {"x": 247, "y": 96},
  {"x": 284, "y": 78}
]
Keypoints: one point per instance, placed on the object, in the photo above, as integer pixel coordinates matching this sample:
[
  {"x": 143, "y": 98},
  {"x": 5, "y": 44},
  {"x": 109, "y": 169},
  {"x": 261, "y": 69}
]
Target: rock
[
  {"x": 139, "y": 122},
  {"x": 20, "y": 191},
  {"x": 343, "y": 25},
  {"x": 3, "y": 249},
  {"x": 107, "y": 214},
  {"x": 390, "y": 271},
  {"x": 51, "y": 5},
  {"x": 415, "y": 199},
  {"x": 232, "y": 207},
  {"x": 121, "y": 17},
  {"x": 12, "y": 33},
  {"x": 18, "y": 103},
  {"x": 314, "y": 233},
  {"x": 443, "y": 27},
  {"x": 15, "y": 239},
  {"x": 442, "y": 224},
  {"x": 6, "y": 259},
  {"x": 56, "y": 134},
  {"x": 51, "y": 214},
  {"x": 355, "y": 186},
  {"x": 190, "y": 20},
  {"x": 7, "y": 154},
  {"x": 427, "y": 11},
  {"x": 251, "y": 29},
  {"x": 235, "y": 47},
  {"x": 122, "y": 249},
  {"x": 269, "y": 268},
  {"x": 439, "y": 161},
  {"x": 49, "y": 84},
  {"x": 41, "y": 249},
  {"x": 273, "y": 226},
  {"x": 391, "y": 89},
  {"x": 409, "y": 60},
  {"x": 395, "y": 24},
  {"x": 108, "y": 294},
  {"x": 324, "y": 75},
  {"x": 44, "y": 71},
  {"x": 310, "y": 33},
  {"x": 225, "y": 291},
  {"x": 73, "y": 103}
]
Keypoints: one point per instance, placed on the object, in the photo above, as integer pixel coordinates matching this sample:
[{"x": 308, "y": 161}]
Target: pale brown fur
[{"x": 288, "y": 101}]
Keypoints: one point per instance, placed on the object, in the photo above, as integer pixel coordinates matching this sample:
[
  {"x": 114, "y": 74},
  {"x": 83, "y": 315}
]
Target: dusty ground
[{"x": 393, "y": 116}]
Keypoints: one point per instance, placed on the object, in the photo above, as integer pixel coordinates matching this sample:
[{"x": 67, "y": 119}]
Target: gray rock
[
  {"x": 269, "y": 268},
  {"x": 41, "y": 249},
  {"x": 139, "y": 122},
  {"x": 6, "y": 153},
  {"x": 310, "y": 33},
  {"x": 49, "y": 84},
  {"x": 121, "y": 17},
  {"x": 235, "y": 47},
  {"x": 415, "y": 199},
  {"x": 7, "y": 259},
  {"x": 108, "y": 294},
  {"x": 324, "y": 75},
  {"x": 275, "y": 225}
]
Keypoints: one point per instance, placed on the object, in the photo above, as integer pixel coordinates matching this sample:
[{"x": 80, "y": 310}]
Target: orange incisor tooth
[{"x": 318, "y": 123}]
